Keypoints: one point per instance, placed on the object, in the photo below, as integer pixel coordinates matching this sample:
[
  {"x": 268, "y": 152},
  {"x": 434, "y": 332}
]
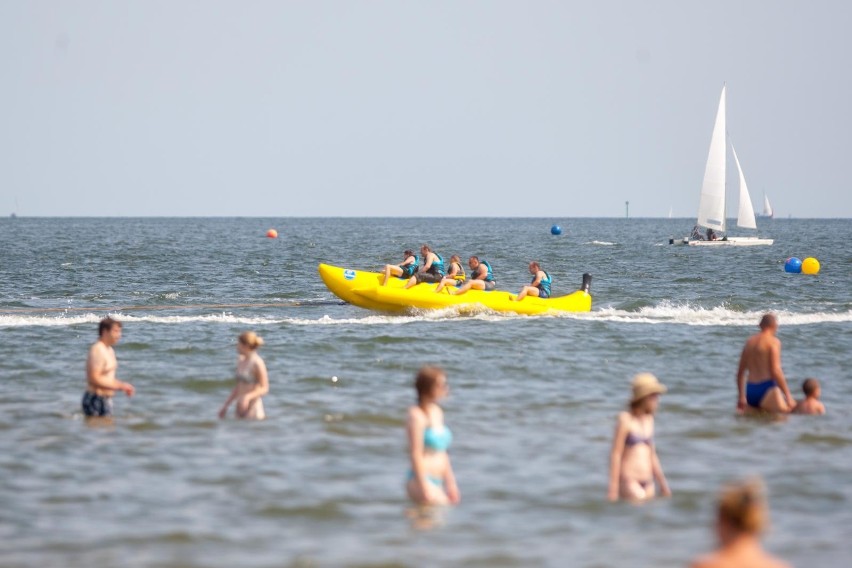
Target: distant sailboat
[
  {"x": 670, "y": 212},
  {"x": 767, "y": 209},
  {"x": 711, "y": 205}
]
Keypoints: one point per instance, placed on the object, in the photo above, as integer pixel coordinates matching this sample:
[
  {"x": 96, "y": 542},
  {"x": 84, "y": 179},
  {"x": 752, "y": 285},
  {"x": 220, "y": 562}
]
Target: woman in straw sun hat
[{"x": 634, "y": 465}]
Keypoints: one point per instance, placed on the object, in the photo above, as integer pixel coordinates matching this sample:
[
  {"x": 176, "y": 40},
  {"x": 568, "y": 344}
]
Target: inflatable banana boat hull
[{"x": 364, "y": 289}]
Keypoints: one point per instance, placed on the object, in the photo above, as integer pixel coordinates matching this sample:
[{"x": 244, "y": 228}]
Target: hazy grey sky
[{"x": 552, "y": 109}]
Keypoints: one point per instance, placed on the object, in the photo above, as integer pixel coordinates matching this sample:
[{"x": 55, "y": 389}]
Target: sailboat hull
[{"x": 731, "y": 242}]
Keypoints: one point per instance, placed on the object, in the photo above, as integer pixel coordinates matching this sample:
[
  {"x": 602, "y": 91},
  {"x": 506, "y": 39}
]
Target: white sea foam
[
  {"x": 602, "y": 243},
  {"x": 663, "y": 313},
  {"x": 685, "y": 314}
]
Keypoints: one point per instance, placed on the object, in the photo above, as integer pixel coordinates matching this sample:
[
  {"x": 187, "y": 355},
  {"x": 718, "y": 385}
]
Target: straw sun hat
[{"x": 646, "y": 384}]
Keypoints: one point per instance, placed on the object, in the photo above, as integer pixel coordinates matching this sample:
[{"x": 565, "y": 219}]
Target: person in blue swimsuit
[
  {"x": 430, "y": 480},
  {"x": 432, "y": 270},
  {"x": 406, "y": 269},
  {"x": 633, "y": 464},
  {"x": 540, "y": 285},
  {"x": 761, "y": 384}
]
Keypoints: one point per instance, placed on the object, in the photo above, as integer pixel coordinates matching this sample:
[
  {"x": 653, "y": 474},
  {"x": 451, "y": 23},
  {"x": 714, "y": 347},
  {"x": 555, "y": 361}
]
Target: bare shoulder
[
  {"x": 438, "y": 412},
  {"x": 416, "y": 415},
  {"x": 97, "y": 351}
]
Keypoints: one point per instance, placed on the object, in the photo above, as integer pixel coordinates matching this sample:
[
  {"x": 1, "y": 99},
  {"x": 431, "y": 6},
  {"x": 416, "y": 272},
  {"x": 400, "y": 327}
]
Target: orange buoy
[{"x": 272, "y": 234}]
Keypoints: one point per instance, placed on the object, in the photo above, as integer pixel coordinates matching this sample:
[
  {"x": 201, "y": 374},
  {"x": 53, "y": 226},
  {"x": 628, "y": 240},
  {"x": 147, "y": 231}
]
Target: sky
[{"x": 438, "y": 108}]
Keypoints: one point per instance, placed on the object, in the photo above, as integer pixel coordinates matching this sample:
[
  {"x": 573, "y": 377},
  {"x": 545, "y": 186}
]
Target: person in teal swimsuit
[
  {"x": 540, "y": 285},
  {"x": 430, "y": 480},
  {"x": 432, "y": 270},
  {"x": 406, "y": 269}
]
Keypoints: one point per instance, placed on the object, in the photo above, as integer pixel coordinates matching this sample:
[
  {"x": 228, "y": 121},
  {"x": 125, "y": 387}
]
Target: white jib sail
[
  {"x": 745, "y": 216},
  {"x": 711, "y": 205},
  {"x": 767, "y": 208}
]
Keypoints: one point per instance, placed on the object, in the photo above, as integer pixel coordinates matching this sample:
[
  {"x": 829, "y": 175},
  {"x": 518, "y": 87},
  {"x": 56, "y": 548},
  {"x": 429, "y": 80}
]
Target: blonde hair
[
  {"x": 743, "y": 507},
  {"x": 251, "y": 340}
]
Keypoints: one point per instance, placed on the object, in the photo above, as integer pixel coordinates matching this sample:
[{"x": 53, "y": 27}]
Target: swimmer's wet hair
[
  {"x": 426, "y": 380},
  {"x": 427, "y": 247},
  {"x": 107, "y": 324},
  {"x": 742, "y": 506},
  {"x": 251, "y": 340},
  {"x": 768, "y": 320},
  {"x": 810, "y": 386}
]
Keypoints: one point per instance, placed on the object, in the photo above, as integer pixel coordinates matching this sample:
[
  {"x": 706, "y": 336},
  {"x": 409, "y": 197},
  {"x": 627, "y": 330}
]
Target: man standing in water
[
  {"x": 766, "y": 388},
  {"x": 101, "y": 364}
]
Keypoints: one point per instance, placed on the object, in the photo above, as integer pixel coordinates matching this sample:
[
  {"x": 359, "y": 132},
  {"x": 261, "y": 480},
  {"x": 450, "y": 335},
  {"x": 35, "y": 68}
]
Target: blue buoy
[
  {"x": 556, "y": 230},
  {"x": 793, "y": 265}
]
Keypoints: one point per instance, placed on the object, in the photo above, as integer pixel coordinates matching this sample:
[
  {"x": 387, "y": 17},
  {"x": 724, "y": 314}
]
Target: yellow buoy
[{"x": 810, "y": 266}]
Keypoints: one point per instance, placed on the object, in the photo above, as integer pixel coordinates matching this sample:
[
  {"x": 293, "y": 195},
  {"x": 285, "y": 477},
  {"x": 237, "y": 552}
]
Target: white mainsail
[
  {"x": 767, "y": 208},
  {"x": 711, "y": 205},
  {"x": 745, "y": 216}
]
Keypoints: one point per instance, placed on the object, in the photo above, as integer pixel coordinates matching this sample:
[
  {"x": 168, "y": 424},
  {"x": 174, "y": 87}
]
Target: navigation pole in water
[{"x": 627, "y": 210}]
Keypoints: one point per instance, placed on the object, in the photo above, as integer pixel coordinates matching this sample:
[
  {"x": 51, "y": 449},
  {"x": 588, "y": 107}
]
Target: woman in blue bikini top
[
  {"x": 634, "y": 465},
  {"x": 430, "y": 480}
]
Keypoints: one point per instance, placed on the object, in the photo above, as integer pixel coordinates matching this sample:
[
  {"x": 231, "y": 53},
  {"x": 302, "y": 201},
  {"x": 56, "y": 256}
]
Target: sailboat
[
  {"x": 711, "y": 204},
  {"x": 767, "y": 209}
]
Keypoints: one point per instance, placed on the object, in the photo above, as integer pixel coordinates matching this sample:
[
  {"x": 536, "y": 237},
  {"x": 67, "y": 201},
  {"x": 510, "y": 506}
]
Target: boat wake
[
  {"x": 663, "y": 313},
  {"x": 685, "y": 314}
]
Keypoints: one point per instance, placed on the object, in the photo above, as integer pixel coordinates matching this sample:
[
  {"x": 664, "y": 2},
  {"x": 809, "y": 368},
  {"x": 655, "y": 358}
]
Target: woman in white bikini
[{"x": 252, "y": 380}]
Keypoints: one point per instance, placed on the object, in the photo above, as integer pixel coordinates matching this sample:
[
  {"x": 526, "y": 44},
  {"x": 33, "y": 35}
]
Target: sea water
[{"x": 532, "y": 403}]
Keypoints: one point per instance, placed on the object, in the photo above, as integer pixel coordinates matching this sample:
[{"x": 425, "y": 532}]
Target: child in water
[
  {"x": 634, "y": 465},
  {"x": 811, "y": 403}
]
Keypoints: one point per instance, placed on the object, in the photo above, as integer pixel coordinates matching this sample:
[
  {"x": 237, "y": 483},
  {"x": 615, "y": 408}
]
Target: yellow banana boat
[{"x": 365, "y": 290}]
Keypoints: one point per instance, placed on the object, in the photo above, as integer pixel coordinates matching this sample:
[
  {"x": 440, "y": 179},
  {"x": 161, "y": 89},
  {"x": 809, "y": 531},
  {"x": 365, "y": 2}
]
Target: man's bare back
[{"x": 766, "y": 388}]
